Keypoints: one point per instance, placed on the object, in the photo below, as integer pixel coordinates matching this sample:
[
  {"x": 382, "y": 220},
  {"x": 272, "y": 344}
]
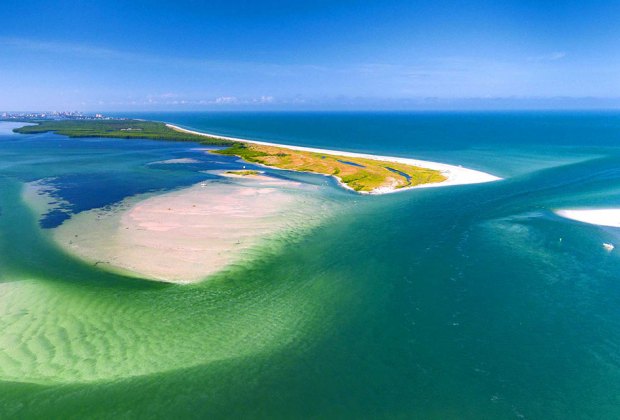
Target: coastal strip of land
[
  {"x": 359, "y": 172},
  {"x": 602, "y": 217},
  {"x": 390, "y": 173},
  {"x": 117, "y": 128}
]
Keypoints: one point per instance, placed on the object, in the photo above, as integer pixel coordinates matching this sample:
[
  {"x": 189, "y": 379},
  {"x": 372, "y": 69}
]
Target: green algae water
[{"x": 463, "y": 302}]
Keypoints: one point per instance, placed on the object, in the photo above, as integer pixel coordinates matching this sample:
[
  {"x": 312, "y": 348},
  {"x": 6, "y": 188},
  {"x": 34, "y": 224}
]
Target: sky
[{"x": 308, "y": 54}]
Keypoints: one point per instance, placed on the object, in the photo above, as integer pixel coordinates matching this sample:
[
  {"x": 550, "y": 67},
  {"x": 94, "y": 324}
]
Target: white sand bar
[
  {"x": 175, "y": 161},
  {"x": 601, "y": 217},
  {"x": 186, "y": 235},
  {"x": 456, "y": 175}
]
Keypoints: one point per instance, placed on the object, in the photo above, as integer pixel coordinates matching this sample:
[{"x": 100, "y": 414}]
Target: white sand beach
[
  {"x": 601, "y": 217},
  {"x": 456, "y": 175},
  {"x": 184, "y": 236}
]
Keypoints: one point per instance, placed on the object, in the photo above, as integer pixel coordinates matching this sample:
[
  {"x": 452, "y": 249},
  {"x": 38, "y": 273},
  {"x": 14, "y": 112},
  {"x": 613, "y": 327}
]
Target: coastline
[
  {"x": 602, "y": 217},
  {"x": 7, "y": 127},
  {"x": 455, "y": 175}
]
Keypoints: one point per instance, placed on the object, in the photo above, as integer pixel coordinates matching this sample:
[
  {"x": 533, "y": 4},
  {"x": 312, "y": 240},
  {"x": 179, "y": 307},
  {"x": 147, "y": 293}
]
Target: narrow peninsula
[{"x": 362, "y": 173}]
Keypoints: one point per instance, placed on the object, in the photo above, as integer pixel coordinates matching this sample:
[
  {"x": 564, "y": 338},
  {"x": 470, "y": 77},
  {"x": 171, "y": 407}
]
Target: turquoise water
[{"x": 462, "y": 302}]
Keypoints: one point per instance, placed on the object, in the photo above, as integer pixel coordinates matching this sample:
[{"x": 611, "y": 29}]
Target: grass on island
[
  {"x": 363, "y": 175},
  {"x": 244, "y": 173},
  {"x": 124, "y": 129}
]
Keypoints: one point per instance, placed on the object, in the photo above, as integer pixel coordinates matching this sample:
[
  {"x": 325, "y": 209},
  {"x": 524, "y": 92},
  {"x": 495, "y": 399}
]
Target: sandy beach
[
  {"x": 601, "y": 217},
  {"x": 455, "y": 175},
  {"x": 186, "y": 235}
]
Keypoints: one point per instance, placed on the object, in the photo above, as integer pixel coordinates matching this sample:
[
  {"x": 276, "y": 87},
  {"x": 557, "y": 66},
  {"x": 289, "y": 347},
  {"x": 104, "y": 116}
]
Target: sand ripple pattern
[{"x": 66, "y": 321}]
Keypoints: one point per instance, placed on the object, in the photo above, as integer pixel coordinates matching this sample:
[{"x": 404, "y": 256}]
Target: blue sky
[{"x": 191, "y": 55}]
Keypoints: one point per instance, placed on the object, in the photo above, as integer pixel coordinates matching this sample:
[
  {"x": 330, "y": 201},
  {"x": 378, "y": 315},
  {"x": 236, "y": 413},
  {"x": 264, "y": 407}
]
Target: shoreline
[
  {"x": 7, "y": 127},
  {"x": 455, "y": 175},
  {"x": 609, "y": 217}
]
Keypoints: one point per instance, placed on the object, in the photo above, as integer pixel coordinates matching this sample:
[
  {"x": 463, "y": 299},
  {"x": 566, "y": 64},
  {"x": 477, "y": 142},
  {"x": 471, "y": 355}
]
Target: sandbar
[
  {"x": 602, "y": 217},
  {"x": 175, "y": 161},
  {"x": 186, "y": 235}
]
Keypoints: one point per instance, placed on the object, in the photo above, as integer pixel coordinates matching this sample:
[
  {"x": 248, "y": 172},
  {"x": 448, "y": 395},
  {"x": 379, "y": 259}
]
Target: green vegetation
[
  {"x": 123, "y": 129},
  {"x": 364, "y": 175},
  {"x": 243, "y": 173},
  {"x": 244, "y": 151}
]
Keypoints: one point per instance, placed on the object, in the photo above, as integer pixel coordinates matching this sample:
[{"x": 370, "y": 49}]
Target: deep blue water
[
  {"x": 458, "y": 138},
  {"x": 73, "y": 169}
]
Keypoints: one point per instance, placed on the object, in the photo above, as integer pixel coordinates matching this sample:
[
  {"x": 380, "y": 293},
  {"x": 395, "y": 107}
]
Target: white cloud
[
  {"x": 226, "y": 100},
  {"x": 173, "y": 99},
  {"x": 78, "y": 50},
  {"x": 554, "y": 56},
  {"x": 68, "y": 48}
]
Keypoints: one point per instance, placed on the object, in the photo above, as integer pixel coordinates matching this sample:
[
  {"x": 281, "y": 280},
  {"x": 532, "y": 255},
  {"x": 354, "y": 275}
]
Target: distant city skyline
[{"x": 309, "y": 55}]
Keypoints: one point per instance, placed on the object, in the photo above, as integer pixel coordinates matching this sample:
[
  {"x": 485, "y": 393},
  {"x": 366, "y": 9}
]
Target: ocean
[{"x": 464, "y": 302}]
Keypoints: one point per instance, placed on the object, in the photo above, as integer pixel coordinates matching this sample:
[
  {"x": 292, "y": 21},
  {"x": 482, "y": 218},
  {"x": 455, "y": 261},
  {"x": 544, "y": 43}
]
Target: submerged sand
[{"x": 187, "y": 235}]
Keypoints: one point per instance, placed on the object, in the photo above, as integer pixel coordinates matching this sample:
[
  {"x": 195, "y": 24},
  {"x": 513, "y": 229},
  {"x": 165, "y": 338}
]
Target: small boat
[{"x": 608, "y": 247}]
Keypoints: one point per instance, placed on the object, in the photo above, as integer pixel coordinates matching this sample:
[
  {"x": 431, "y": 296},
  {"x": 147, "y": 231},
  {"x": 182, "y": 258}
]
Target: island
[
  {"x": 362, "y": 173},
  {"x": 117, "y": 128},
  {"x": 243, "y": 173},
  {"x": 186, "y": 235}
]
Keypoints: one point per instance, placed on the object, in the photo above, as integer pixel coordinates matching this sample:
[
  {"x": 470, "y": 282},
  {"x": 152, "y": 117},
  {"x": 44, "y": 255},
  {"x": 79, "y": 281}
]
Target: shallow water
[{"x": 459, "y": 302}]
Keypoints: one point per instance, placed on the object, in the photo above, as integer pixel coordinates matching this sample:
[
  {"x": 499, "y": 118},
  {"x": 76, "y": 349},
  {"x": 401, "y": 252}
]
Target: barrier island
[{"x": 362, "y": 173}]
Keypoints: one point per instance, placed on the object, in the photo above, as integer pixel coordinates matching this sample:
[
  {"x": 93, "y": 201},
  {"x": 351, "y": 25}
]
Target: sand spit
[
  {"x": 455, "y": 175},
  {"x": 175, "y": 161},
  {"x": 186, "y": 235},
  {"x": 601, "y": 217}
]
